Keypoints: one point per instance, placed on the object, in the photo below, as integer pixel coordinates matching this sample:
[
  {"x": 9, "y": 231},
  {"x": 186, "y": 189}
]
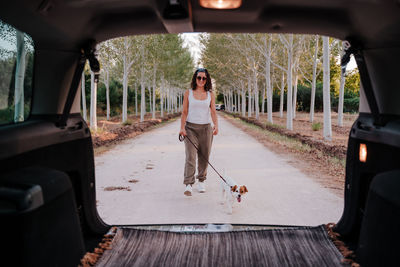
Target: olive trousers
[{"x": 201, "y": 135}]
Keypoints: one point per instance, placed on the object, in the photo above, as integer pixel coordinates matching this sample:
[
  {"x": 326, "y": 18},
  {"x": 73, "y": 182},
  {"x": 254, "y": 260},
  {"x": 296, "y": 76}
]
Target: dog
[{"x": 231, "y": 191}]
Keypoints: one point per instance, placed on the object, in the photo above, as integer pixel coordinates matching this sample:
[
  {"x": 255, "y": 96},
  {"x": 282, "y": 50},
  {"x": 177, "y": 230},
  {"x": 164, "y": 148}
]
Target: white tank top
[{"x": 199, "y": 110}]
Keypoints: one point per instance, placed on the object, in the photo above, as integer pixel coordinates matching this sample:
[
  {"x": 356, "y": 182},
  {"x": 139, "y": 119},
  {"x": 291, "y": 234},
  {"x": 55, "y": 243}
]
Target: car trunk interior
[{"x": 210, "y": 246}]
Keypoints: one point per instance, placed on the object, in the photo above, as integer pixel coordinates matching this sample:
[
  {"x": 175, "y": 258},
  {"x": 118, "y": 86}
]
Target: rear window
[
  {"x": 16, "y": 70},
  {"x": 275, "y": 81}
]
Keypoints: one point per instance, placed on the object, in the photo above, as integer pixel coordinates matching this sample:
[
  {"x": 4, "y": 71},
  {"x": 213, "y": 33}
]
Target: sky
[
  {"x": 192, "y": 40},
  {"x": 352, "y": 64}
]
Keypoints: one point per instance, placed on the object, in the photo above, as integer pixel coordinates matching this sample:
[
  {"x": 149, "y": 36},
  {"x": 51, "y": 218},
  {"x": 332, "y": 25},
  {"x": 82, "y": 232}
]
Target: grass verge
[
  {"x": 104, "y": 148},
  {"x": 277, "y": 138}
]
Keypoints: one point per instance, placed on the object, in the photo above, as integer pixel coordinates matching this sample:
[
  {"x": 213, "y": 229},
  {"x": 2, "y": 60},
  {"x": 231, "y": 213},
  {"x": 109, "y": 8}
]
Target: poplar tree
[{"x": 326, "y": 90}]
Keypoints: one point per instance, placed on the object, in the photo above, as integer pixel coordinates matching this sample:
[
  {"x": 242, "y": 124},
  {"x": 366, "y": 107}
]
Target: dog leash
[{"x": 181, "y": 138}]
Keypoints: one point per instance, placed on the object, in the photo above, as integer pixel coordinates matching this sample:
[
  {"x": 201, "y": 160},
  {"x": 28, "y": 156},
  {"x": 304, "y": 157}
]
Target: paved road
[{"x": 278, "y": 194}]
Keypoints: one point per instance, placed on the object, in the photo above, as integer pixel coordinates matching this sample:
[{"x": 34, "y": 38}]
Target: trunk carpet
[{"x": 303, "y": 246}]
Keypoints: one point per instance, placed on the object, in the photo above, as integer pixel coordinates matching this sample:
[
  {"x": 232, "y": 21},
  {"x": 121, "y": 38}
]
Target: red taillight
[{"x": 363, "y": 152}]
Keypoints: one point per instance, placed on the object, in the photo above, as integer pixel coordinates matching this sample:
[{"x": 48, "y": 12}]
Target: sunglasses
[{"x": 199, "y": 78}]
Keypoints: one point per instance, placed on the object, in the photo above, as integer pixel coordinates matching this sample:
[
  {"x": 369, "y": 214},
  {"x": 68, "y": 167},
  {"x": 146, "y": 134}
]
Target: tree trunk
[
  {"x": 296, "y": 79},
  {"x": 125, "y": 97},
  {"x": 173, "y": 99},
  {"x": 243, "y": 99},
  {"x": 229, "y": 101},
  {"x": 125, "y": 61},
  {"x": 83, "y": 96},
  {"x": 142, "y": 95},
  {"x": 256, "y": 95},
  {"x": 180, "y": 101},
  {"x": 162, "y": 97},
  {"x": 236, "y": 103},
  {"x": 239, "y": 102},
  {"x": 232, "y": 103},
  {"x": 282, "y": 96},
  {"x": 154, "y": 92},
  {"x": 341, "y": 99},
  {"x": 249, "y": 92},
  {"x": 268, "y": 82},
  {"x": 136, "y": 105},
  {"x": 326, "y": 91},
  {"x": 228, "y": 97},
  {"x": 176, "y": 99},
  {"x": 150, "y": 95},
  {"x": 253, "y": 103},
  {"x": 225, "y": 102},
  {"x": 263, "y": 100},
  {"x": 341, "y": 94},
  {"x": 93, "y": 102},
  {"x": 289, "y": 103},
  {"x": 314, "y": 80},
  {"x": 19, "y": 78},
  {"x": 269, "y": 102},
  {"x": 232, "y": 96},
  {"x": 165, "y": 98},
  {"x": 108, "y": 94},
  {"x": 168, "y": 101}
]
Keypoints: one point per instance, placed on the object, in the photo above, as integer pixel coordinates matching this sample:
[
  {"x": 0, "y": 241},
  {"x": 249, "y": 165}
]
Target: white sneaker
[
  {"x": 188, "y": 190},
  {"x": 202, "y": 187}
]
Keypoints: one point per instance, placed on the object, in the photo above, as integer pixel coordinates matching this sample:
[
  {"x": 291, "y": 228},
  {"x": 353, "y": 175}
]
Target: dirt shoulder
[
  {"x": 324, "y": 162},
  {"x": 111, "y": 132}
]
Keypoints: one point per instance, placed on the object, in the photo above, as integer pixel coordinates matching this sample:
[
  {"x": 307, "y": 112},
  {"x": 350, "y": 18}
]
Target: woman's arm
[
  {"x": 214, "y": 114},
  {"x": 184, "y": 113}
]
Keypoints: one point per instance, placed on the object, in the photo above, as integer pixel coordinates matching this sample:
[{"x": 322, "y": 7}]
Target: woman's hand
[
  {"x": 182, "y": 132},
  {"x": 215, "y": 130}
]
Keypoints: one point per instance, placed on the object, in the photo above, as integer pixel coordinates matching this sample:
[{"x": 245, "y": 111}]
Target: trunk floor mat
[{"x": 301, "y": 246}]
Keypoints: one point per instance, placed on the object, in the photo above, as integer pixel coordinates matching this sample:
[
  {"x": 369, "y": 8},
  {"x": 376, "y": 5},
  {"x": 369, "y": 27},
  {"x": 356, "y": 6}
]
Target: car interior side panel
[{"x": 384, "y": 77}]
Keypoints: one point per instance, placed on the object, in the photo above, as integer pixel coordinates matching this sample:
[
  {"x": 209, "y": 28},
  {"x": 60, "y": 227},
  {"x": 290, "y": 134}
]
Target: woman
[{"x": 198, "y": 109}]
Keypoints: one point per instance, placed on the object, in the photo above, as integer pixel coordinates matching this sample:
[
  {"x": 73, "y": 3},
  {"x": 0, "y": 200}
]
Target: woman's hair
[{"x": 207, "y": 86}]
